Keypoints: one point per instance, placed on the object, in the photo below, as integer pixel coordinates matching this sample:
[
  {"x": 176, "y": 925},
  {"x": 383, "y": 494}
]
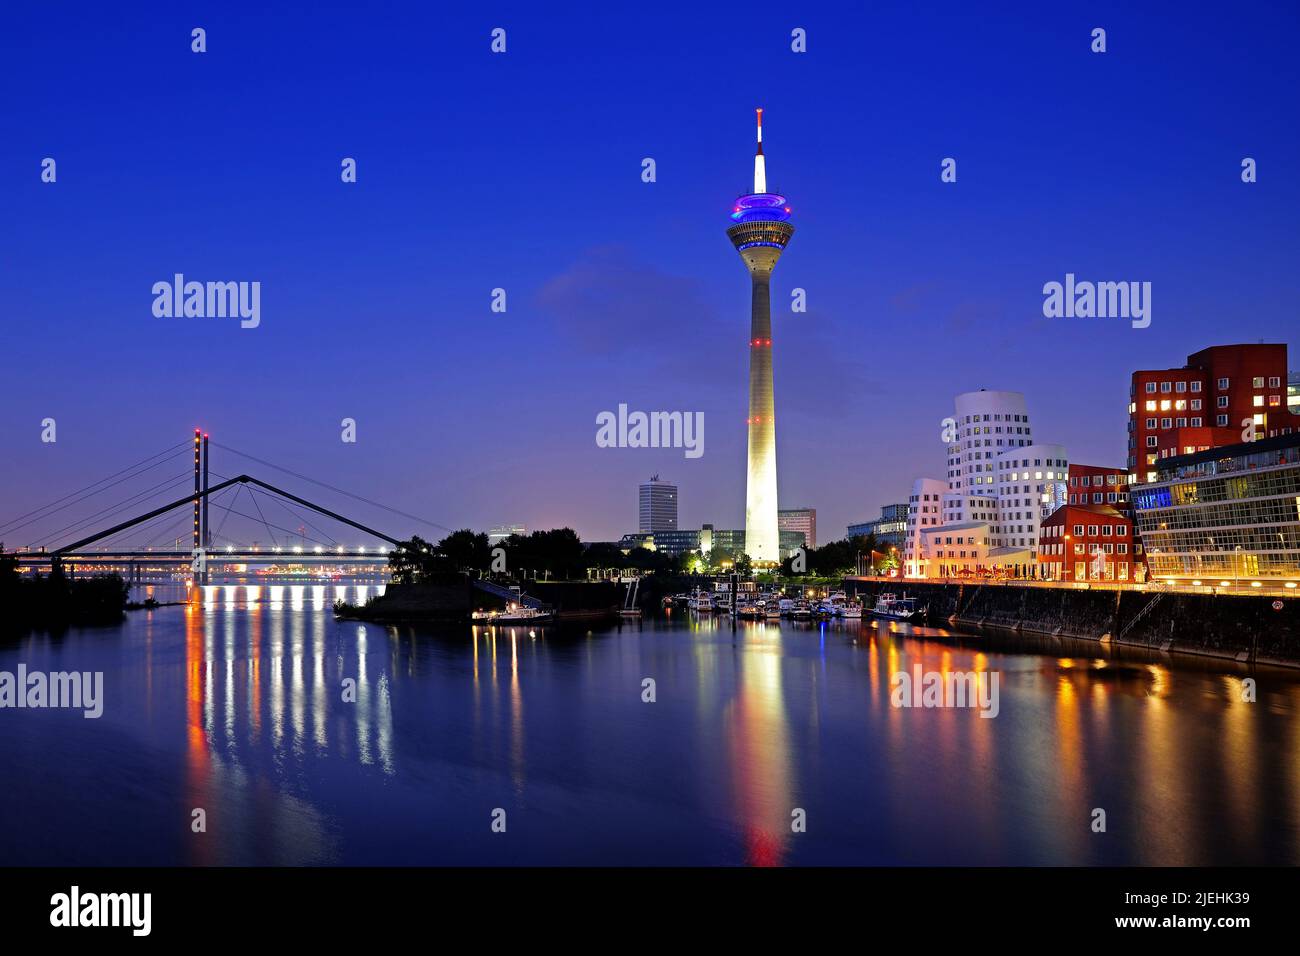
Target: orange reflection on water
[
  {"x": 760, "y": 757},
  {"x": 197, "y": 757}
]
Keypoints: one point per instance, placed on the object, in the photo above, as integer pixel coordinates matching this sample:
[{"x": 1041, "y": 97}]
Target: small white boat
[
  {"x": 701, "y": 602},
  {"x": 851, "y": 610}
]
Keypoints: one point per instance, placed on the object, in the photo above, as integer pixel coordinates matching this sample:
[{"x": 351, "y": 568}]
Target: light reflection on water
[{"x": 309, "y": 740}]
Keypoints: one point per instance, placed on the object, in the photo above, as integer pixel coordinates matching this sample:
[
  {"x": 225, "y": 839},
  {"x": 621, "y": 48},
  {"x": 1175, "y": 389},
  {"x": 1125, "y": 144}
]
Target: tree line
[{"x": 561, "y": 555}]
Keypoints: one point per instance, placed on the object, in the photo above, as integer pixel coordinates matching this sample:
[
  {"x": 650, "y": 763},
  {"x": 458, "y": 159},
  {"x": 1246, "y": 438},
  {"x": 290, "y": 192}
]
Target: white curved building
[
  {"x": 998, "y": 476},
  {"x": 1032, "y": 482}
]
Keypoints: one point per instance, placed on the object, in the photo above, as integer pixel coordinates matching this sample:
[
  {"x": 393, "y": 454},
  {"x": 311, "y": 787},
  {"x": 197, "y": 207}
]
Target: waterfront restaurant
[{"x": 1228, "y": 516}]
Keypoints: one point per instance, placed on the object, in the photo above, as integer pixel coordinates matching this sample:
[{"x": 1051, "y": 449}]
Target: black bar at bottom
[{"x": 533, "y": 905}]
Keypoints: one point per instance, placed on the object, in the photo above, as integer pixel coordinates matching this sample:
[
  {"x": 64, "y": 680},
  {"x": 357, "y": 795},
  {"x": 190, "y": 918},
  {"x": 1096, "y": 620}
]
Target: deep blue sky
[{"x": 523, "y": 171}]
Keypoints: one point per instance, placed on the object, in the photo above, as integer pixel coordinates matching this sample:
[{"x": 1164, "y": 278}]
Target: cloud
[{"x": 609, "y": 302}]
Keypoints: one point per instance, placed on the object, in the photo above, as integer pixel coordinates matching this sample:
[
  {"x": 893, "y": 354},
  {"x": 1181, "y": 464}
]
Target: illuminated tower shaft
[{"x": 760, "y": 235}]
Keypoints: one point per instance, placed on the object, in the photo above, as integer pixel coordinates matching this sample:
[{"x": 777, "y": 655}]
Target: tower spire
[{"x": 760, "y": 167}]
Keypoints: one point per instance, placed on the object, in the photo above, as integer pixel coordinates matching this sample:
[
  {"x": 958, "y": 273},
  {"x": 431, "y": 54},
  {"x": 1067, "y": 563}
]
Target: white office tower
[{"x": 656, "y": 506}]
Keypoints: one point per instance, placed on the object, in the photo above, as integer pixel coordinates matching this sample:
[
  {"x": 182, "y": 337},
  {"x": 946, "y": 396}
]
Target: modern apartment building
[{"x": 1224, "y": 395}]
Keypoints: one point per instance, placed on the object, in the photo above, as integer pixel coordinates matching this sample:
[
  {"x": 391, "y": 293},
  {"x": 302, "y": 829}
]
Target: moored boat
[
  {"x": 895, "y": 608},
  {"x": 520, "y": 614}
]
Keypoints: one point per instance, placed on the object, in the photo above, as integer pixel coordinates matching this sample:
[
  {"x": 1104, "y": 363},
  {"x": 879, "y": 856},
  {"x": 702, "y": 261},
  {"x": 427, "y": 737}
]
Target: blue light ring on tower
[{"x": 760, "y": 206}]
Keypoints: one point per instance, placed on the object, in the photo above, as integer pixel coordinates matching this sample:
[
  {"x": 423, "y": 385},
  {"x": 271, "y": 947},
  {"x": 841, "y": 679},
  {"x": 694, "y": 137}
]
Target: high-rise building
[
  {"x": 760, "y": 232},
  {"x": 658, "y": 506},
  {"x": 803, "y": 520},
  {"x": 1000, "y": 485},
  {"x": 1223, "y": 395}
]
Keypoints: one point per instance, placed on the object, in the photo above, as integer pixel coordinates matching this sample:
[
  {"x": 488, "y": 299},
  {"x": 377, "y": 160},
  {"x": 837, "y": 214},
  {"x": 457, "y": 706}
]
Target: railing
[{"x": 1142, "y": 613}]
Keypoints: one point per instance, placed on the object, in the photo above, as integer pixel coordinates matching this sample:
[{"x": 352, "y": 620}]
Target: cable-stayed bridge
[{"x": 167, "y": 526}]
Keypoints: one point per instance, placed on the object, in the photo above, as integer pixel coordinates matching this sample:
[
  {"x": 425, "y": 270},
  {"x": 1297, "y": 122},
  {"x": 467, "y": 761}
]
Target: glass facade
[{"x": 1232, "y": 513}]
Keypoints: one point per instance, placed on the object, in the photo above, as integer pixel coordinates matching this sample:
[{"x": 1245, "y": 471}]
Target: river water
[{"x": 234, "y": 706}]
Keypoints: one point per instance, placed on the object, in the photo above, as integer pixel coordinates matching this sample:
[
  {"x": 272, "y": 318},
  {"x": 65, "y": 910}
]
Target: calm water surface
[{"x": 235, "y": 706}]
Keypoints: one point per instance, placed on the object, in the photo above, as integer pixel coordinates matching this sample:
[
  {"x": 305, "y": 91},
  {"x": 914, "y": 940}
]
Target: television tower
[{"x": 760, "y": 234}]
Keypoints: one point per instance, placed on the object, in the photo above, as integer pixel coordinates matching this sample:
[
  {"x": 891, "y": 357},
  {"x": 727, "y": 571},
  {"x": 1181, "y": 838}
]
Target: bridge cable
[
  {"x": 296, "y": 514},
  {"x": 252, "y": 494},
  {"x": 6, "y": 524},
  {"x": 286, "y": 530},
  {"x": 152, "y": 523},
  {"x": 274, "y": 542},
  {"x": 340, "y": 491},
  {"x": 51, "y": 510},
  {"x": 238, "y": 490},
  {"x": 112, "y": 509}
]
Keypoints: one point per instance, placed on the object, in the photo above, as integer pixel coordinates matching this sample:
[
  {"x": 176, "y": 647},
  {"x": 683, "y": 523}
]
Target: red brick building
[
  {"x": 1098, "y": 485},
  {"x": 1204, "y": 404},
  {"x": 1088, "y": 543}
]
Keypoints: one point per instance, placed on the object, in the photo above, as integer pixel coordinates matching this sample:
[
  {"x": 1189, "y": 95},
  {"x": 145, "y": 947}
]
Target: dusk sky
[{"x": 522, "y": 171}]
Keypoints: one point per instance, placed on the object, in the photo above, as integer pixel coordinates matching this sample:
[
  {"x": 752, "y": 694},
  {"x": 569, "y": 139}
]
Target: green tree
[
  {"x": 467, "y": 550},
  {"x": 604, "y": 555},
  {"x": 416, "y": 561}
]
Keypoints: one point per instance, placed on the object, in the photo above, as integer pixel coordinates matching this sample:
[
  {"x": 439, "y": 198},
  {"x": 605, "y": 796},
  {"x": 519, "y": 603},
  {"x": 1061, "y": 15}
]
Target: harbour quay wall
[
  {"x": 1235, "y": 626},
  {"x": 444, "y": 600},
  {"x": 578, "y": 600}
]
